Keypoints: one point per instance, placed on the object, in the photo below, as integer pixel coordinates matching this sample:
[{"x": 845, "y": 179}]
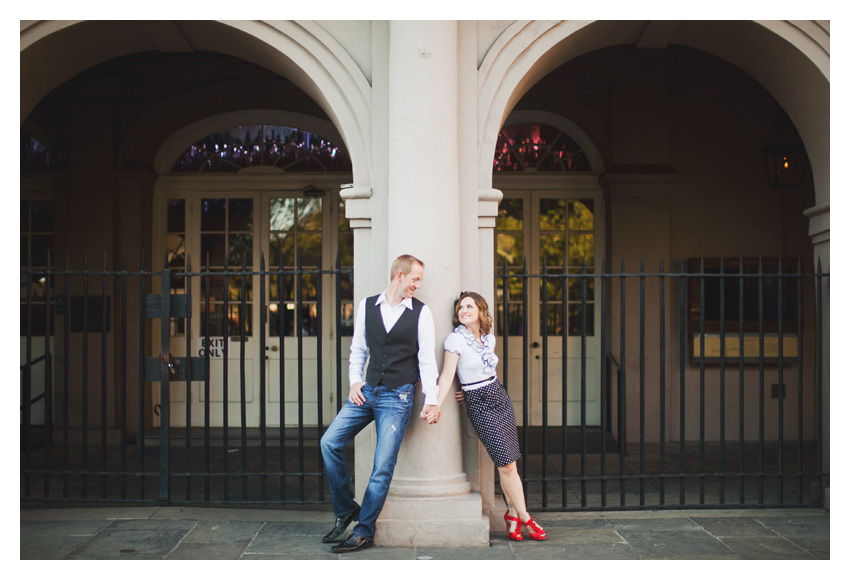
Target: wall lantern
[{"x": 785, "y": 159}]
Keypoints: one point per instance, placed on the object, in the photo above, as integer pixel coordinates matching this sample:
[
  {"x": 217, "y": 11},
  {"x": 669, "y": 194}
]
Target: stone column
[{"x": 430, "y": 502}]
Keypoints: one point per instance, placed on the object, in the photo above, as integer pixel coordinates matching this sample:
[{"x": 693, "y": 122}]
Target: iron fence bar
[
  {"x": 299, "y": 331},
  {"x": 544, "y": 318},
  {"x": 642, "y": 382},
  {"x": 741, "y": 480},
  {"x": 225, "y": 397},
  {"x": 648, "y": 476},
  {"x": 263, "y": 358},
  {"x": 27, "y": 387},
  {"x": 123, "y": 381},
  {"x": 526, "y": 316},
  {"x": 282, "y": 372},
  {"x": 338, "y": 334},
  {"x": 141, "y": 379},
  {"x": 702, "y": 380},
  {"x": 564, "y": 382},
  {"x": 722, "y": 300},
  {"x": 621, "y": 395},
  {"x": 662, "y": 386},
  {"x": 103, "y": 333},
  {"x": 319, "y": 397},
  {"x": 243, "y": 403},
  {"x": 583, "y": 397},
  {"x": 85, "y": 382},
  {"x": 206, "y": 320},
  {"x": 781, "y": 387},
  {"x": 682, "y": 341},
  {"x": 819, "y": 375},
  {"x": 799, "y": 381},
  {"x": 683, "y": 274},
  {"x": 603, "y": 391},
  {"x": 761, "y": 385},
  {"x": 188, "y": 389},
  {"x": 48, "y": 376}
]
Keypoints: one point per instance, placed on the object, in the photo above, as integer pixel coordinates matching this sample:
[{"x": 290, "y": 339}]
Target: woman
[{"x": 469, "y": 352}]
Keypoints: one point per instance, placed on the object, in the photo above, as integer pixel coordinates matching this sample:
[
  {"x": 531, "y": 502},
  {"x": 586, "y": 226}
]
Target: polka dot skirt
[{"x": 492, "y": 416}]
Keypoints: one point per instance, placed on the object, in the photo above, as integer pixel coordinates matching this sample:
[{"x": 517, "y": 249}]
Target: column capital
[
  {"x": 488, "y": 206},
  {"x": 358, "y": 206}
]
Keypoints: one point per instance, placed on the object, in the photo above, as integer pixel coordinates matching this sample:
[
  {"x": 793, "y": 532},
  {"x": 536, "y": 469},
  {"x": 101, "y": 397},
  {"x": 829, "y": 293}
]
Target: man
[{"x": 395, "y": 332}]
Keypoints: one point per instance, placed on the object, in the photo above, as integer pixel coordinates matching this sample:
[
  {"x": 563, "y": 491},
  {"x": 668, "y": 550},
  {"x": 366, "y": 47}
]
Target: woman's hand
[{"x": 459, "y": 396}]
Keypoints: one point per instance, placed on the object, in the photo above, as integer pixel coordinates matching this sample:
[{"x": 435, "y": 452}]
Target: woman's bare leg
[{"x": 512, "y": 490}]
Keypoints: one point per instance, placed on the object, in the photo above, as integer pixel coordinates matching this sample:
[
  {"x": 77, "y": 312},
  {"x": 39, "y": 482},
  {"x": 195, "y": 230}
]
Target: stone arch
[
  {"x": 789, "y": 58},
  {"x": 53, "y": 52}
]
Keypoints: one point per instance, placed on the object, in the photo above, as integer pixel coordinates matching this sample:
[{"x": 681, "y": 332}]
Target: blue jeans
[{"x": 390, "y": 409}]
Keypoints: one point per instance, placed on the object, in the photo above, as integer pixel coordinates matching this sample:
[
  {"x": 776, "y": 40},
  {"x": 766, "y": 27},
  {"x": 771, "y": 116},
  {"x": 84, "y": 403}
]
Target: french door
[
  {"x": 552, "y": 226},
  {"x": 236, "y": 228}
]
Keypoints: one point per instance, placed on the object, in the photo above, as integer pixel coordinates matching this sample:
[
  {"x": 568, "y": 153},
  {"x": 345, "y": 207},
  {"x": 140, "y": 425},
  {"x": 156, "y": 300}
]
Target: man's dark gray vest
[{"x": 393, "y": 355}]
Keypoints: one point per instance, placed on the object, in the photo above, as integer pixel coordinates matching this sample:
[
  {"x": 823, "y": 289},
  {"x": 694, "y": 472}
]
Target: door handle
[
  {"x": 273, "y": 348},
  {"x": 535, "y": 344}
]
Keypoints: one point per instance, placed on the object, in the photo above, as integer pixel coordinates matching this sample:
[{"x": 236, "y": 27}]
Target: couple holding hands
[{"x": 395, "y": 332}]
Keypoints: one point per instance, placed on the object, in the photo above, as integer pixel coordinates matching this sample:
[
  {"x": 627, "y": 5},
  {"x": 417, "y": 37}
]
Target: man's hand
[
  {"x": 430, "y": 413},
  {"x": 459, "y": 396},
  {"x": 355, "y": 397}
]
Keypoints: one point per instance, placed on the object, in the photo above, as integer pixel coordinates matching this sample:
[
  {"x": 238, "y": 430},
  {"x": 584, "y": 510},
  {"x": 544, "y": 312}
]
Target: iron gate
[{"x": 86, "y": 435}]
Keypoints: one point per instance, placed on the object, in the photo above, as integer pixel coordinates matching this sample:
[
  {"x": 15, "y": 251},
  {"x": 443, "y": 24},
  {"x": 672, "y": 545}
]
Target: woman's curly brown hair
[{"x": 484, "y": 318}]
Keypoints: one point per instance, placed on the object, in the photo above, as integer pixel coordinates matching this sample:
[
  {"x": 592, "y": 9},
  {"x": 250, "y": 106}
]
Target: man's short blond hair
[{"x": 404, "y": 264}]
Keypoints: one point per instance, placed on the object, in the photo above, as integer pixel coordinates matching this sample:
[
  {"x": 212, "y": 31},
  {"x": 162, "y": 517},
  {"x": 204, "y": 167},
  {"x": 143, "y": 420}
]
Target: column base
[{"x": 440, "y": 522}]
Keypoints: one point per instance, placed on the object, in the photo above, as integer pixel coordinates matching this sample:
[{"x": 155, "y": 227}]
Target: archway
[{"x": 53, "y": 52}]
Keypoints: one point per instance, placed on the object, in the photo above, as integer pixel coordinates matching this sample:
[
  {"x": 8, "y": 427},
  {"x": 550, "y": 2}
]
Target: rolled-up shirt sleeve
[
  {"x": 427, "y": 359},
  {"x": 359, "y": 351}
]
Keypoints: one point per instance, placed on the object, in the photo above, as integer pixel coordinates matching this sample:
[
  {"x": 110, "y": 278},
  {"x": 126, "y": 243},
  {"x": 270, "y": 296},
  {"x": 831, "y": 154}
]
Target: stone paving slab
[
  {"x": 129, "y": 544},
  {"x": 223, "y": 532},
  {"x": 207, "y": 551},
  {"x": 677, "y": 545},
  {"x": 775, "y": 548},
  {"x": 808, "y": 532},
  {"x": 735, "y": 527},
  {"x": 176, "y": 533}
]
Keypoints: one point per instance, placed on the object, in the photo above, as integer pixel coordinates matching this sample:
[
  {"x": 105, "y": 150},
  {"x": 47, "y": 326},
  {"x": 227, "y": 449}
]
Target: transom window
[
  {"x": 537, "y": 147},
  {"x": 286, "y": 148}
]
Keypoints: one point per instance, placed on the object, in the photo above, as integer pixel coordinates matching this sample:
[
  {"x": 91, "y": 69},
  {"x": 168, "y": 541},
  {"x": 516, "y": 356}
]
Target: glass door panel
[
  {"x": 235, "y": 230},
  {"x": 551, "y": 232}
]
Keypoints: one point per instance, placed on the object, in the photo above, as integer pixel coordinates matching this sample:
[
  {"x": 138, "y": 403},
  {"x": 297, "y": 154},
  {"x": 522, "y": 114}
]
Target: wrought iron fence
[
  {"x": 94, "y": 437},
  {"x": 686, "y": 418},
  {"x": 732, "y": 323}
]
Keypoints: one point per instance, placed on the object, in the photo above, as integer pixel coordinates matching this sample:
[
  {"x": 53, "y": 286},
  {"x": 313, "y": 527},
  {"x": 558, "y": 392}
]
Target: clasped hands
[{"x": 431, "y": 413}]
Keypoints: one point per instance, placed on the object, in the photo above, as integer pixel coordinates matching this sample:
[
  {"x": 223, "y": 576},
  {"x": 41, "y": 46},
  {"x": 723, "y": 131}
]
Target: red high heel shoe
[
  {"x": 513, "y": 527},
  {"x": 534, "y": 530}
]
